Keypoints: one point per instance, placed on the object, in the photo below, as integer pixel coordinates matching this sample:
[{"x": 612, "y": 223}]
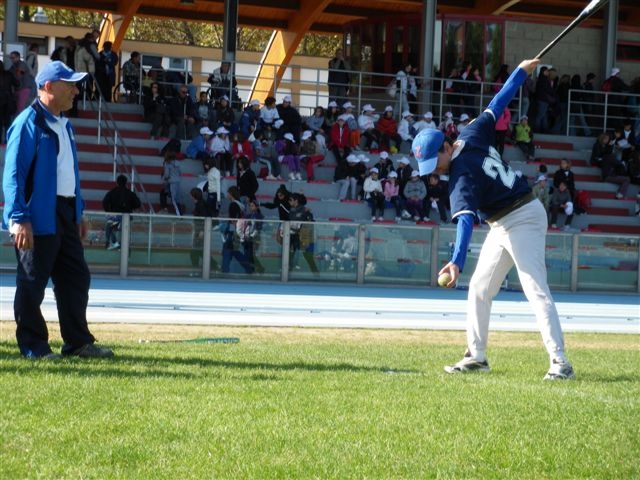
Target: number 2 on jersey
[{"x": 494, "y": 168}]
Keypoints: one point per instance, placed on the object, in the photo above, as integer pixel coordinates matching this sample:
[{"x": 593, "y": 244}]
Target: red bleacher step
[
  {"x": 553, "y": 145},
  {"x": 123, "y": 133},
  {"x": 576, "y": 162},
  {"x": 122, "y": 116},
  {"x": 93, "y": 148},
  {"x": 108, "y": 167},
  {"x": 609, "y": 211},
  {"x": 607, "y": 228}
]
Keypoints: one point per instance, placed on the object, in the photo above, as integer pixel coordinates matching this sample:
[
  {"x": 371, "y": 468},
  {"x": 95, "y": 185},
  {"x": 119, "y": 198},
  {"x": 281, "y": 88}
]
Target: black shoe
[
  {"x": 90, "y": 350},
  {"x": 50, "y": 357}
]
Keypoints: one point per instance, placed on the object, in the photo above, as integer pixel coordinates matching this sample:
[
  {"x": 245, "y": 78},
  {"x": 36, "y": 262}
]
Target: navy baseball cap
[
  {"x": 425, "y": 148},
  {"x": 55, "y": 71}
]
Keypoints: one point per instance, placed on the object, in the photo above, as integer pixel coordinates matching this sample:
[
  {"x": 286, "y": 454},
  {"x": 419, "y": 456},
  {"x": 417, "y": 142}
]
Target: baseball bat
[{"x": 589, "y": 10}]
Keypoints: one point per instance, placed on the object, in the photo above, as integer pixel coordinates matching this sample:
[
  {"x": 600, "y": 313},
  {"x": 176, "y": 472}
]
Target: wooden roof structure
[{"x": 333, "y": 14}]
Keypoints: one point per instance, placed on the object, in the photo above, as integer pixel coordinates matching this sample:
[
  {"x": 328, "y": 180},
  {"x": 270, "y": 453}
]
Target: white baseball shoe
[
  {"x": 468, "y": 364},
  {"x": 560, "y": 371}
]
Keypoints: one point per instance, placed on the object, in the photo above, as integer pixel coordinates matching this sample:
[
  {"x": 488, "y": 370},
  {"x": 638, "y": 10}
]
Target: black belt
[
  {"x": 67, "y": 200},
  {"x": 529, "y": 197}
]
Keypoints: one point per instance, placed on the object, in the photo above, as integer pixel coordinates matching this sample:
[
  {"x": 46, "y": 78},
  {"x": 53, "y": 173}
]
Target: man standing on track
[
  {"x": 43, "y": 212},
  {"x": 482, "y": 184}
]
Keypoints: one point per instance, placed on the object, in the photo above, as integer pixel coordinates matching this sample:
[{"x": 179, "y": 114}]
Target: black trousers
[{"x": 59, "y": 257}]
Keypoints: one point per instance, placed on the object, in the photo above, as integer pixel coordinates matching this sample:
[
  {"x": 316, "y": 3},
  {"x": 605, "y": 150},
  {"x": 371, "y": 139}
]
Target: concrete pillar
[
  {"x": 230, "y": 30},
  {"x": 427, "y": 47},
  {"x": 609, "y": 38},
  {"x": 10, "y": 34}
]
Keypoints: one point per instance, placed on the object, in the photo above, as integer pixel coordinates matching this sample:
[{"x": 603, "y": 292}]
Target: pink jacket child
[
  {"x": 502, "y": 127},
  {"x": 392, "y": 193}
]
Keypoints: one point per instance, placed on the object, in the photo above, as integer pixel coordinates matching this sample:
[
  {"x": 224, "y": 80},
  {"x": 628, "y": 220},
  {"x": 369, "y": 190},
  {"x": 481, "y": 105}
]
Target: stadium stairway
[{"x": 607, "y": 213}]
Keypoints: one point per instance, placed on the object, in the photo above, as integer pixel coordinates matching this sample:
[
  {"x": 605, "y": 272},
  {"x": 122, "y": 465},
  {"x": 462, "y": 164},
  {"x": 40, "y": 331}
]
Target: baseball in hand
[{"x": 444, "y": 279}]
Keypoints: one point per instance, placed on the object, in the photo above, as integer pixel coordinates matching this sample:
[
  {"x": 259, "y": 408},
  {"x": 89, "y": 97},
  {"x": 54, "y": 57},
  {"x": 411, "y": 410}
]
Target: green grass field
[{"x": 315, "y": 403}]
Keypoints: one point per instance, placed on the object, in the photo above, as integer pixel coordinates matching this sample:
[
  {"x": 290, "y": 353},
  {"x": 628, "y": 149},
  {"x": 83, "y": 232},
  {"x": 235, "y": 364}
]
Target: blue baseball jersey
[{"x": 480, "y": 182}]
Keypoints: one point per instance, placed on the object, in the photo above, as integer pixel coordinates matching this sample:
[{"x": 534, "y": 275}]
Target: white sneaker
[
  {"x": 467, "y": 364},
  {"x": 270, "y": 177},
  {"x": 292, "y": 176},
  {"x": 298, "y": 176},
  {"x": 380, "y": 219},
  {"x": 370, "y": 269},
  {"x": 398, "y": 219},
  {"x": 114, "y": 246},
  {"x": 373, "y": 219},
  {"x": 560, "y": 371},
  {"x": 406, "y": 215},
  {"x": 416, "y": 218}
]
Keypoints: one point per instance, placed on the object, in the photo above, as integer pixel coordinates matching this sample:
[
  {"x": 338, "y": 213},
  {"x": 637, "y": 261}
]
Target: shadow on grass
[{"x": 161, "y": 365}]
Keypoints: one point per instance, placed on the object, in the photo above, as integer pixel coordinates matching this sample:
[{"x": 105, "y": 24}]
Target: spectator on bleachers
[
  {"x": 156, "y": 111},
  {"x": 436, "y": 198},
  {"x": 545, "y": 99},
  {"x": 405, "y": 127},
  {"x": 374, "y": 195},
  {"x": 524, "y": 138},
  {"x": 118, "y": 200},
  {"x": 213, "y": 188},
  {"x": 339, "y": 77},
  {"x": 629, "y": 136},
  {"x": 31, "y": 59},
  {"x": 615, "y": 171},
  {"x": 280, "y": 202},
  {"x": 541, "y": 191},
  {"x": 204, "y": 112},
  {"x": 362, "y": 168},
  {"x": 425, "y": 122},
  {"x": 561, "y": 111},
  {"x": 68, "y": 53},
  {"x": 384, "y": 165},
  {"x": 106, "y": 70},
  {"x": 183, "y": 115},
  {"x": 301, "y": 234},
  {"x": 315, "y": 124},
  {"x": 392, "y": 194},
  {"x": 132, "y": 76},
  {"x": 87, "y": 57},
  {"x": 564, "y": 174},
  {"x": 561, "y": 199},
  {"x": 310, "y": 153},
  {"x": 266, "y": 155},
  {"x": 503, "y": 126},
  {"x": 246, "y": 180},
  {"x": 500, "y": 78},
  {"x": 616, "y": 88},
  {"x": 464, "y": 121},
  {"x": 229, "y": 236},
  {"x": 388, "y": 128},
  {"x": 268, "y": 117},
  {"x": 289, "y": 154},
  {"x": 26, "y": 89},
  {"x": 577, "y": 118},
  {"x": 339, "y": 139},
  {"x": 367, "y": 125},
  {"x": 250, "y": 118},
  {"x": 291, "y": 118},
  {"x": 621, "y": 147},
  {"x": 331, "y": 115},
  {"x": 415, "y": 192},
  {"x": 448, "y": 126},
  {"x": 528, "y": 88},
  {"x": 198, "y": 148},
  {"x": 404, "y": 171},
  {"x": 352, "y": 123},
  {"x": 171, "y": 175},
  {"x": 601, "y": 150},
  {"x": 241, "y": 147},
  {"x": 223, "y": 82},
  {"x": 8, "y": 84},
  {"x": 250, "y": 235},
  {"x": 220, "y": 149},
  {"x": 200, "y": 209},
  {"x": 345, "y": 175},
  {"x": 226, "y": 115}
]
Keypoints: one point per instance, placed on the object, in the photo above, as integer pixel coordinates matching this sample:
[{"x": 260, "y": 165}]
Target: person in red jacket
[
  {"x": 388, "y": 128},
  {"x": 241, "y": 147},
  {"x": 340, "y": 139}
]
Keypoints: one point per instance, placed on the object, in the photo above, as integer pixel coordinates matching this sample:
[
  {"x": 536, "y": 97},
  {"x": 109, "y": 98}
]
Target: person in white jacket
[
  {"x": 405, "y": 127},
  {"x": 374, "y": 195},
  {"x": 367, "y": 124},
  {"x": 425, "y": 122}
]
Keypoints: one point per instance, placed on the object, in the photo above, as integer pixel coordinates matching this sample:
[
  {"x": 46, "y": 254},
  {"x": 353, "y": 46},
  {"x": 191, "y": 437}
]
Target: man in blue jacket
[{"x": 43, "y": 212}]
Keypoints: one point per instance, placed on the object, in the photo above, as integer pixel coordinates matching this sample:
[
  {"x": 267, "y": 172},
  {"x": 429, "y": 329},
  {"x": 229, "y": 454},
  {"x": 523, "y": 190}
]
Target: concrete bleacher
[{"x": 97, "y": 167}]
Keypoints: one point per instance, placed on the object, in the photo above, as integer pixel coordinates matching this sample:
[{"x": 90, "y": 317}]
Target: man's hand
[
  {"x": 453, "y": 270},
  {"x": 529, "y": 65},
  {"x": 22, "y": 235}
]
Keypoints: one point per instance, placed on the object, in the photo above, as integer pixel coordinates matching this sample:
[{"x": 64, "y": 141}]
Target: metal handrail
[{"x": 122, "y": 160}]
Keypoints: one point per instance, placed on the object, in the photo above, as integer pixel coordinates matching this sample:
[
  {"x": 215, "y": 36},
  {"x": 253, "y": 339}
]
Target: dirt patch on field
[{"x": 121, "y": 332}]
